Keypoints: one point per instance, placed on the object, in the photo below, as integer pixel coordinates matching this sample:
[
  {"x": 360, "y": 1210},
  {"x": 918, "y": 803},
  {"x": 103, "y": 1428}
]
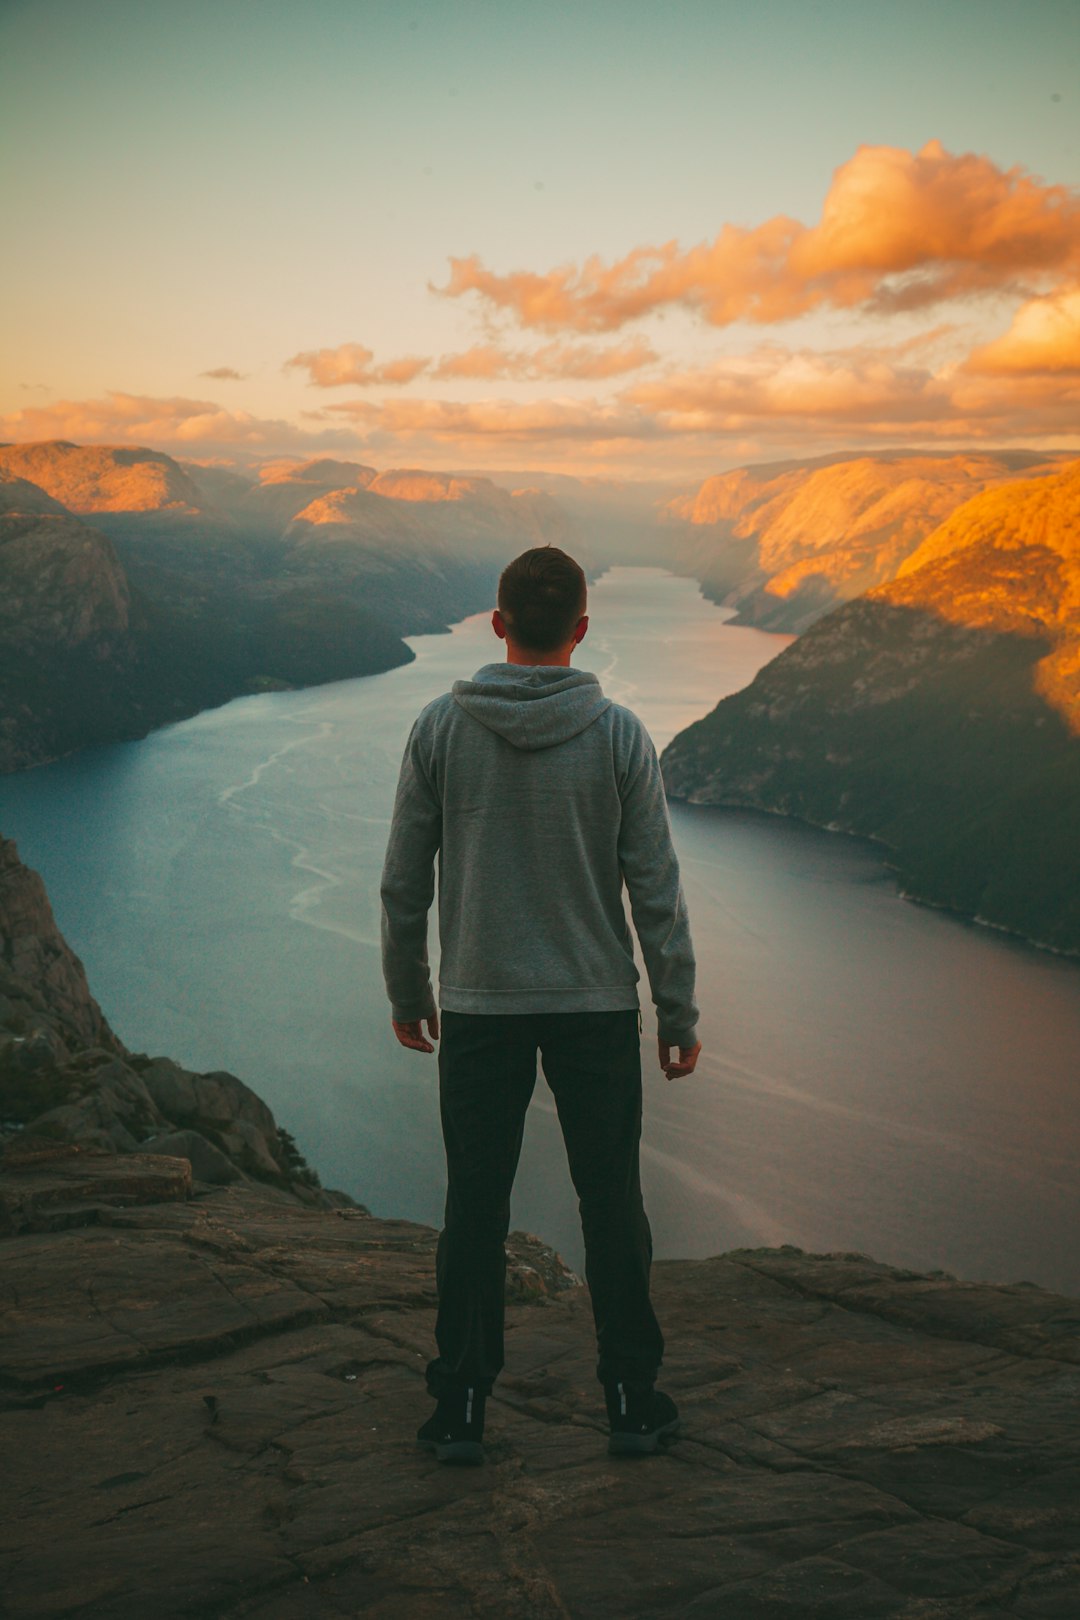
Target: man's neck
[{"x": 522, "y": 655}]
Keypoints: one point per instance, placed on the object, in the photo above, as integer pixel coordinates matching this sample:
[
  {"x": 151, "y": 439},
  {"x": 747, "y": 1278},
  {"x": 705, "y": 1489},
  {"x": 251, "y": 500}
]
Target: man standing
[{"x": 541, "y": 798}]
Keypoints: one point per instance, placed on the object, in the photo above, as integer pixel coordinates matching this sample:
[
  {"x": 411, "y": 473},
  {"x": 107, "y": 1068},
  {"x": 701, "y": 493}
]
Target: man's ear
[
  {"x": 498, "y": 624},
  {"x": 580, "y": 628}
]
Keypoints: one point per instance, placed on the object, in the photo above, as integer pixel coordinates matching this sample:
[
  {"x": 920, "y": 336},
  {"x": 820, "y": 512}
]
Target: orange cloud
[
  {"x": 352, "y": 363},
  {"x": 1044, "y": 337},
  {"x": 224, "y": 374},
  {"x": 773, "y": 384},
  {"x": 898, "y": 230},
  {"x": 142, "y": 419},
  {"x": 856, "y": 395},
  {"x": 444, "y": 419},
  {"x": 566, "y": 361}
]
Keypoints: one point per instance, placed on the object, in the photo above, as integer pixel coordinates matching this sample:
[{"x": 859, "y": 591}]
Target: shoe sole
[
  {"x": 455, "y": 1451},
  {"x": 642, "y": 1445}
]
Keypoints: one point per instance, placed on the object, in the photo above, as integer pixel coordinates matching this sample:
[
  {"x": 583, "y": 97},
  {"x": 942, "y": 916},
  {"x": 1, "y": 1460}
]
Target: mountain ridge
[
  {"x": 784, "y": 543},
  {"x": 938, "y": 712}
]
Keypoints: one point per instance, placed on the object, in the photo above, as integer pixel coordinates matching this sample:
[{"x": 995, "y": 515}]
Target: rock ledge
[{"x": 212, "y": 1394}]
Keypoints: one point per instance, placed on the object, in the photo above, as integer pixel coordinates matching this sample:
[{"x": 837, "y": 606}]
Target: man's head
[{"x": 541, "y": 611}]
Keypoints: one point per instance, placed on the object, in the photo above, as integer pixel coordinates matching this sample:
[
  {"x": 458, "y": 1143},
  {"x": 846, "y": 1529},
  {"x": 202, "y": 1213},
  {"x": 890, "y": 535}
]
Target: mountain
[
  {"x": 784, "y": 542},
  {"x": 66, "y": 640},
  {"x": 166, "y": 589},
  {"x": 440, "y": 540},
  {"x": 104, "y": 478},
  {"x": 939, "y": 713}
]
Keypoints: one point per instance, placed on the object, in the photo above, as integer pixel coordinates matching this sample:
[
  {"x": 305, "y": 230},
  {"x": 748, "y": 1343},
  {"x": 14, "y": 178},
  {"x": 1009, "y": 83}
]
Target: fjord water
[{"x": 876, "y": 1075}]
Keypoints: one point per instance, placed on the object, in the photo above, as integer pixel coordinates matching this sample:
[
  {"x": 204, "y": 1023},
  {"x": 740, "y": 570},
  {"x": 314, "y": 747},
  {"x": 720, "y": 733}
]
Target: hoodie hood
[{"x": 532, "y": 705}]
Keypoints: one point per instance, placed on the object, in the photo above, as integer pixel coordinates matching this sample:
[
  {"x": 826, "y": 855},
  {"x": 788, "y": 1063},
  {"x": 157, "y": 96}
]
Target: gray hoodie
[{"x": 541, "y": 797}]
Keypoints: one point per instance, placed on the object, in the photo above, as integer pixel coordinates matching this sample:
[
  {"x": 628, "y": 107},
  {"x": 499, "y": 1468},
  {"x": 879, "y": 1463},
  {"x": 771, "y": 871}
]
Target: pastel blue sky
[{"x": 232, "y": 183}]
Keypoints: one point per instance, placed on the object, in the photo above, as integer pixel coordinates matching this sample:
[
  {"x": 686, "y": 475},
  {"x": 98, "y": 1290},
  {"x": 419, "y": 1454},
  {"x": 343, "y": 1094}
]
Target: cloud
[
  {"x": 565, "y": 361},
  {"x": 352, "y": 363},
  {"x": 507, "y": 420},
  {"x": 225, "y": 374},
  {"x": 898, "y": 230},
  {"x": 1044, "y": 337},
  {"x": 170, "y": 422},
  {"x": 854, "y": 396},
  {"x": 852, "y": 387}
]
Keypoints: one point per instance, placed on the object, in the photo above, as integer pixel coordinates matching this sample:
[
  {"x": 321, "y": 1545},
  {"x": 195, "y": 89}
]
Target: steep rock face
[
  {"x": 66, "y": 623},
  {"x": 61, "y": 583},
  {"x": 44, "y": 983},
  {"x": 939, "y": 713},
  {"x": 66, "y": 1077},
  {"x": 785, "y": 543}
]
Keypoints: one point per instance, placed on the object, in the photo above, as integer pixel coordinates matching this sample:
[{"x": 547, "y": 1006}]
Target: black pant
[{"x": 487, "y": 1072}]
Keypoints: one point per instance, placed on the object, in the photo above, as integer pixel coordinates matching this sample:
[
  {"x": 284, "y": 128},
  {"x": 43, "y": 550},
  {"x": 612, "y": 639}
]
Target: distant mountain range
[
  {"x": 938, "y": 712},
  {"x": 135, "y": 589}
]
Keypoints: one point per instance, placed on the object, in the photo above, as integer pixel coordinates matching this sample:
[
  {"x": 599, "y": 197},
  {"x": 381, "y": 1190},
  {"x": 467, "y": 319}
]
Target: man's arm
[
  {"x": 407, "y": 890},
  {"x": 651, "y": 872}
]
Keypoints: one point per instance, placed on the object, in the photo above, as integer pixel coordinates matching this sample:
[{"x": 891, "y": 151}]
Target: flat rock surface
[{"x": 208, "y": 1407}]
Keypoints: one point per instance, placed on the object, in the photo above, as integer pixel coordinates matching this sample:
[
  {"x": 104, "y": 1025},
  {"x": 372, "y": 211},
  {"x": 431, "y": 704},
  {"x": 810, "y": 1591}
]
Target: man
[{"x": 541, "y": 798}]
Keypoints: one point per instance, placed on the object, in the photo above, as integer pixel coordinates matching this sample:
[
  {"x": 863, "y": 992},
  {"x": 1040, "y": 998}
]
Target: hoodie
[{"x": 541, "y": 799}]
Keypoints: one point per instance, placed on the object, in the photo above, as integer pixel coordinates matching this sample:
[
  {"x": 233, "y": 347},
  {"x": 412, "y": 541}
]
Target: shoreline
[{"x": 909, "y": 895}]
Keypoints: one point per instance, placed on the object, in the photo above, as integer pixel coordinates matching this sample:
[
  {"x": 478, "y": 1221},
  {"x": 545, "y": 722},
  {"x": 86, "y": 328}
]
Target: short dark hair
[{"x": 542, "y": 597}]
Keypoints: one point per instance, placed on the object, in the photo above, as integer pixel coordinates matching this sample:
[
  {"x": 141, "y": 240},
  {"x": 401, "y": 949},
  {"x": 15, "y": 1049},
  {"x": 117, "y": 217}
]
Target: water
[{"x": 876, "y": 1076}]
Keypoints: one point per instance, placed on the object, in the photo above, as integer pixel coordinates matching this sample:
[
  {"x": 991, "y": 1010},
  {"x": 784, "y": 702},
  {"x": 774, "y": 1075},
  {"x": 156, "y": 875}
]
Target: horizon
[{"x": 363, "y": 233}]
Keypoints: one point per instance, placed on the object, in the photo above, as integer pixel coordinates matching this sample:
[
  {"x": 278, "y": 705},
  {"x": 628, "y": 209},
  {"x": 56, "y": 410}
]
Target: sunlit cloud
[
  {"x": 352, "y": 363},
  {"x": 898, "y": 230},
  {"x": 564, "y": 361},
  {"x": 1044, "y": 337},
  {"x": 225, "y": 374},
  {"x": 862, "y": 394},
  {"x": 145, "y": 420},
  {"x": 494, "y": 419},
  {"x": 853, "y": 387}
]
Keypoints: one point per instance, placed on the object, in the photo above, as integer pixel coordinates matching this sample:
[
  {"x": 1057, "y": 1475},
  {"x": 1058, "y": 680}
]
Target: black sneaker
[
  {"x": 641, "y": 1420},
  {"x": 456, "y": 1427}
]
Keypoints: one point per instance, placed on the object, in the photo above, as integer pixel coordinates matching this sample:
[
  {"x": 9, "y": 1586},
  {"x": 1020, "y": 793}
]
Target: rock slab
[{"x": 211, "y": 1402}]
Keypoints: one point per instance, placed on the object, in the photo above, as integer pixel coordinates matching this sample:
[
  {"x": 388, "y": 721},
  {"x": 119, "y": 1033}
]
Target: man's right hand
[
  {"x": 688, "y": 1056},
  {"x": 412, "y": 1034}
]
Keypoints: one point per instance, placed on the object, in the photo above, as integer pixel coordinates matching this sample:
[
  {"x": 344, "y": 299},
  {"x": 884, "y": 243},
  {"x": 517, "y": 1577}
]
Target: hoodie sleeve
[
  {"x": 408, "y": 887},
  {"x": 650, "y": 870}
]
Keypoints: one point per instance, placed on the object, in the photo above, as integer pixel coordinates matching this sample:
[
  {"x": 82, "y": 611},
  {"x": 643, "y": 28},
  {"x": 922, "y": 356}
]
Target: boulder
[{"x": 208, "y": 1163}]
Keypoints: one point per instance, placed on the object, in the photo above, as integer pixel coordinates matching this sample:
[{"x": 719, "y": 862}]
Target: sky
[{"x": 610, "y": 238}]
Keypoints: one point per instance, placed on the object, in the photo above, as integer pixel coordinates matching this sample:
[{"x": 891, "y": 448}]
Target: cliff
[
  {"x": 66, "y": 1078},
  {"x": 939, "y": 713},
  {"x": 785, "y": 542},
  {"x": 210, "y": 1388}
]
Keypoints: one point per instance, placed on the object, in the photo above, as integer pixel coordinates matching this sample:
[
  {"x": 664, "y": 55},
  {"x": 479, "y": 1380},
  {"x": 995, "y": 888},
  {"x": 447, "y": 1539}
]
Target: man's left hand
[{"x": 412, "y": 1035}]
